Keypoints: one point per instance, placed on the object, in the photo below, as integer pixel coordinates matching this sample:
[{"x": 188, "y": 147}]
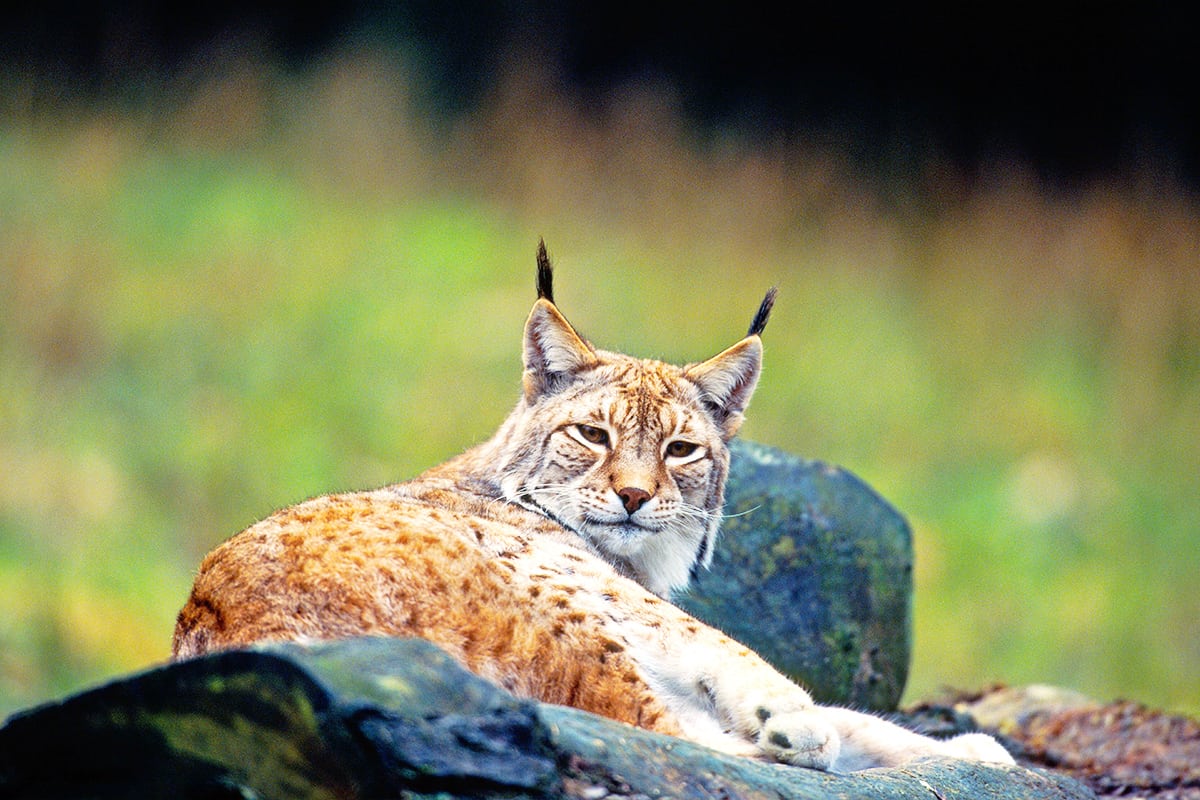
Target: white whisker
[{"x": 741, "y": 513}]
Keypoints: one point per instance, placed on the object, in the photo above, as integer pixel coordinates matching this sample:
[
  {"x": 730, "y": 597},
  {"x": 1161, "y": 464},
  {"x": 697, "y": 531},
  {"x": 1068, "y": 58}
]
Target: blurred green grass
[{"x": 247, "y": 290}]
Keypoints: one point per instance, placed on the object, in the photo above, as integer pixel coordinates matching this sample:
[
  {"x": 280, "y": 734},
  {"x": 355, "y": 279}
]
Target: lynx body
[{"x": 544, "y": 558}]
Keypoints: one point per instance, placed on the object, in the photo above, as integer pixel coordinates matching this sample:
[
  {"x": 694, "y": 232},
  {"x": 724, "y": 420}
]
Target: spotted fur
[{"x": 543, "y": 559}]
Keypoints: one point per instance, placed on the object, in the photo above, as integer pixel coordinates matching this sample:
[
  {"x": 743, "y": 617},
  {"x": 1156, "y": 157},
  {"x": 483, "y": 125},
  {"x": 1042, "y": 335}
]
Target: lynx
[{"x": 544, "y": 559}]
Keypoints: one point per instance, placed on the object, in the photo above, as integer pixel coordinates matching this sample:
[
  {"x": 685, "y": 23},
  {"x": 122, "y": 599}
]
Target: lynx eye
[
  {"x": 681, "y": 449},
  {"x": 592, "y": 434}
]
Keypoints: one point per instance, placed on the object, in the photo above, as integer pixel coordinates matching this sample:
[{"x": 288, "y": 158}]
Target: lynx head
[{"x": 628, "y": 453}]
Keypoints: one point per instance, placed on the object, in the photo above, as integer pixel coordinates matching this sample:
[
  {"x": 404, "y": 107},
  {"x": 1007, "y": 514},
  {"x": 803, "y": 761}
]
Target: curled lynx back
[{"x": 628, "y": 453}]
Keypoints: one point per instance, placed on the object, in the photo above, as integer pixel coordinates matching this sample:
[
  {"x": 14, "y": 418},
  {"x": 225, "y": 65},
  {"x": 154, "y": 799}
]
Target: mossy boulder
[{"x": 813, "y": 570}]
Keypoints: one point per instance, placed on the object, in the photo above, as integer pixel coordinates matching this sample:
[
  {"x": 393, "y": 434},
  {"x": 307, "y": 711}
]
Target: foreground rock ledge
[{"x": 388, "y": 718}]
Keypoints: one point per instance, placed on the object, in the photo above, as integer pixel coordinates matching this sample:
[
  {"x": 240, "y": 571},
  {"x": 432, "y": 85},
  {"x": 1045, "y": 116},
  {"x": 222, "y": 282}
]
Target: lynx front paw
[
  {"x": 976, "y": 747},
  {"x": 799, "y": 738}
]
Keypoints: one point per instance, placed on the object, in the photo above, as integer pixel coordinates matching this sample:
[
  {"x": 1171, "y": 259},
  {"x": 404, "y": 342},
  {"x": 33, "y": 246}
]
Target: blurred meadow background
[{"x": 248, "y": 277}]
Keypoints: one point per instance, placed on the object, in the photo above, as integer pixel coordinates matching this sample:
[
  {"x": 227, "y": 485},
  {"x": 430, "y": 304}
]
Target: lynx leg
[
  {"x": 729, "y": 699},
  {"x": 869, "y": 741}
]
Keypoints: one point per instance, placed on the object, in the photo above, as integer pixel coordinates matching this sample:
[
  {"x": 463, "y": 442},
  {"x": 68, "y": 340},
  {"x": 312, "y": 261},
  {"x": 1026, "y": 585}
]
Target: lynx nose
[{"x": 633, "y": 497}]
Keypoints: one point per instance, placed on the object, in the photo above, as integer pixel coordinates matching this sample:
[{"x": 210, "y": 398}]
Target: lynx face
[
  {"x": 628, "y": 457},
  {"x": 628, "y": 453}
]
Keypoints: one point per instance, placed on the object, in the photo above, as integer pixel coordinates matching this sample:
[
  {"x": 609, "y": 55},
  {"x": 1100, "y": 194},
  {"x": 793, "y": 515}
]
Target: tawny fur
[{"x": 542, "y": 558}]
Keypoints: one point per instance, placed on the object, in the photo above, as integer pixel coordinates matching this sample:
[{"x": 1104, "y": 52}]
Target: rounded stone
[{"x": 813, "y": 571}]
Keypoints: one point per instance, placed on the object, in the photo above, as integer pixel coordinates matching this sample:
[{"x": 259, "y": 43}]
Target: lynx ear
[
  {"x": 554, "y": 352},
  {"x": 727, "y": 381}
]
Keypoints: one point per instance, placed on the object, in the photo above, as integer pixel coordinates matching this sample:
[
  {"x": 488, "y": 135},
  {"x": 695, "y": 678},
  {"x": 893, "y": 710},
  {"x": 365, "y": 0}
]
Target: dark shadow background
[{"x": 1075, "y": 90}]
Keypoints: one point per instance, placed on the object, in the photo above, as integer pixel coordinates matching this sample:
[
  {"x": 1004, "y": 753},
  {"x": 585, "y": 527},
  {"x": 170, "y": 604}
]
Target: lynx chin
[{"x": 544, "y": 559}]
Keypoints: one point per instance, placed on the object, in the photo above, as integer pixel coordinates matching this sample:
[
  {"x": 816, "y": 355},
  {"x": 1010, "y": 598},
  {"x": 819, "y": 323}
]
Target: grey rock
[
  {"x": 389, "y": 718},
  {"x": 813, "y": 571}
]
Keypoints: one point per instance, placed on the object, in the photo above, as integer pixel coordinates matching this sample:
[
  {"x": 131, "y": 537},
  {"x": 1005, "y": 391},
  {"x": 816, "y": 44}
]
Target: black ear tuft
[
  {"x": 545, "y": 273},
  {"x": 764, "y": 311}
]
